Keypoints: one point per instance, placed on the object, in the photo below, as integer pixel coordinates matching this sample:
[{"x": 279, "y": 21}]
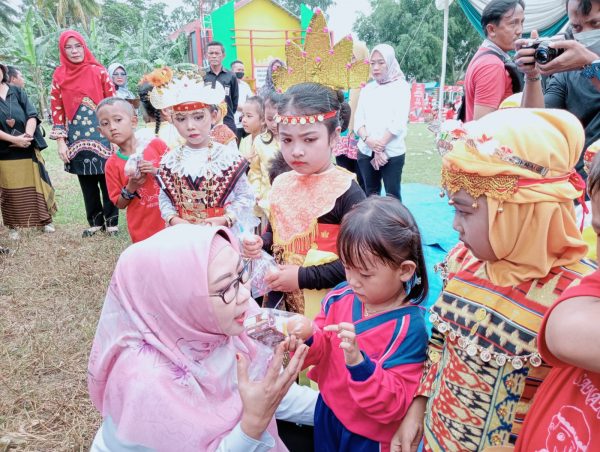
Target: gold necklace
[{"x": 370, "y": 313}]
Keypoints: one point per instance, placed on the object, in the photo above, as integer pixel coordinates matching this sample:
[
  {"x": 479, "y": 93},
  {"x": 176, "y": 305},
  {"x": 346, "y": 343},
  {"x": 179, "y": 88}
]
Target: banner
[{"x": 417, "y": 102}]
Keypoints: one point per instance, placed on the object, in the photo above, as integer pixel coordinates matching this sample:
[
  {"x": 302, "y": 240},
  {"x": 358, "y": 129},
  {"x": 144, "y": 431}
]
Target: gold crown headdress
[{"x": 320, "y": 62}]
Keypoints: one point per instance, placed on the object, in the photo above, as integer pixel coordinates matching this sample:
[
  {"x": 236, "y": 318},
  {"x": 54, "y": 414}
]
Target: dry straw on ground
[{"x": 51, "y": 293}]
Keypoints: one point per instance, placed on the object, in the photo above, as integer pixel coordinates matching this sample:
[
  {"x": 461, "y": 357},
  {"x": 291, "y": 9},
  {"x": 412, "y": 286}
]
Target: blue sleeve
[{"x": 413, "y": 346}]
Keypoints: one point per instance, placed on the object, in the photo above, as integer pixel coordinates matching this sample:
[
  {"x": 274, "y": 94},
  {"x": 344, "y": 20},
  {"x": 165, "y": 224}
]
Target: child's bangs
[{"x": 358, "y": 244}]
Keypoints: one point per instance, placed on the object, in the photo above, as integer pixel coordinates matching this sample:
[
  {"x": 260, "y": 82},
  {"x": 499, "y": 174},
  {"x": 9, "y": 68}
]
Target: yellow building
[
  {"x": 252, "y": 31},
  {"x": 261, "y": 30},
  {"x": 255, "y": 32}
]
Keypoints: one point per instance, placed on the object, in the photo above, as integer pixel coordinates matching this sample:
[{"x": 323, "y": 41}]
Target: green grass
[
  {"x": 423, "y": 163},
  {"x": 71, "y": 210}
]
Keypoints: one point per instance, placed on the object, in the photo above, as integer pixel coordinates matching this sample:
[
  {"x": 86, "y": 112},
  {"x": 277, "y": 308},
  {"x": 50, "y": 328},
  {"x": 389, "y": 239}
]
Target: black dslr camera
[{"x": 543, "y": 52}]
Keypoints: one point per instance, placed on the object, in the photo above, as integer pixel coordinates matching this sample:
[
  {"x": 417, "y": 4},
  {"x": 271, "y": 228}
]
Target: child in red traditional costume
[
  {"x": 368, "y": 343},
  {"x": 137, "y": 191},
  {"x": 220, "y": 132},
  {"x": 202, "y": 181},
  {"x": 565, "y": 414},
  {"x": 308, "y": 203},
  {"x": 510, "y": 176}
]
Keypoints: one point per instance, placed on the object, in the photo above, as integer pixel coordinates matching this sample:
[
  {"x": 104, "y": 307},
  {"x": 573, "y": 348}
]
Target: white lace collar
[{"x": 195, "y": 163}]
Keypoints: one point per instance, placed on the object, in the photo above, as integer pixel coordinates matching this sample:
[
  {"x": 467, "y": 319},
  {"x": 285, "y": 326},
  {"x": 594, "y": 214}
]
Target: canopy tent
[{"x": 548, "y": 17}]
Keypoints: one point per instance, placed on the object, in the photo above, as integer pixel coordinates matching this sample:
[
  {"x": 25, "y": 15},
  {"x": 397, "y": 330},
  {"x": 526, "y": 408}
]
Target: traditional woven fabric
[
  {"x": 201, "y": 197},
  {"x": 26, "y": 193},
  {"x": 222, "y": 134},
  {"x": 483, "y": 364}
]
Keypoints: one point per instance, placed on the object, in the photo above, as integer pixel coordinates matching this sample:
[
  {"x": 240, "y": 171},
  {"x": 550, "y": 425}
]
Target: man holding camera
[
  {"x": 488, "y": 81},
  {"x": 574, "y": 84}
]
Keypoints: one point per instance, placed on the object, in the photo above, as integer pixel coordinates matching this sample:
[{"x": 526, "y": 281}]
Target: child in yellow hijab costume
[{"x": 511, "y": 178}]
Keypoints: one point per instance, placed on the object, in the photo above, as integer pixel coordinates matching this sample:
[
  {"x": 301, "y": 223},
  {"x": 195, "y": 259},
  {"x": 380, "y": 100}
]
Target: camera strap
[{"x": 515, "y": 77}]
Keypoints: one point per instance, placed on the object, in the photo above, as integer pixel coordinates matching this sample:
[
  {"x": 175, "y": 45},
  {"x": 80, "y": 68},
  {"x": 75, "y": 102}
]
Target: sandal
[{"x": 89, "y": 232}]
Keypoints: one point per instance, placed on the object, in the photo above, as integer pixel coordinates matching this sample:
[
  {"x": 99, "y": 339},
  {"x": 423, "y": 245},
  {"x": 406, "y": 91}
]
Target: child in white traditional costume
[{"x": 203, "y": 182}]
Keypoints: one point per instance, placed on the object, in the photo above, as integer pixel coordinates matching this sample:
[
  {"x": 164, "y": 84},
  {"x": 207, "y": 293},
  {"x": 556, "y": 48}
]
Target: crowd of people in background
[{"x": 220, "y": 180}]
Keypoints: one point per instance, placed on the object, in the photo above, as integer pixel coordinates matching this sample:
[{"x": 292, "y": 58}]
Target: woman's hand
[
  {"x": 409, "y": 434},
  {"x": 284, "y": 280},
  {"x": 22, "y": 141},
  {"x": 347, "y": 333},
  {"x": 375, "y": 145},
  {"x": 63, "y": 151},
  {"x": 381, "y": 158},
  {"x": 260, "y": 399},
  {"x": 252, "y": 247}
]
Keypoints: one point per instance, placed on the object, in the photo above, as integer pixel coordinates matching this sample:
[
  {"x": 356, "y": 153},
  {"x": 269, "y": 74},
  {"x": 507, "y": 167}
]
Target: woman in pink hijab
[{"x": 171, "y": 367}]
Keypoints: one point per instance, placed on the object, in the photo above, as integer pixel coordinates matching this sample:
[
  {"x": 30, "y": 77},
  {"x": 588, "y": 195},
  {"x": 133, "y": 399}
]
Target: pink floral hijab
[{"x": 159, "y": 366}]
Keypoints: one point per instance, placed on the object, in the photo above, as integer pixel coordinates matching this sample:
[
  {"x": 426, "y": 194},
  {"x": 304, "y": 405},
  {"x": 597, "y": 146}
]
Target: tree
[
  {"x": 30, "y": 49},
  {"x": 182, "y": 15},
  {"x": 294, "y": 5},
  {"x": 67, "y": 13},
  {"x": 414, "y": 28},
  {"x": 7, "y": 15}
]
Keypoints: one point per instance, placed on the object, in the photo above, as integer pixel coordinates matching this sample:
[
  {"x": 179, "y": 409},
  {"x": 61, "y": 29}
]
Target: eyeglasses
[
  {"x": 119, "y": 74},
  {"x": 77, "y": 47},
  {"x": 230, "y": 293}
]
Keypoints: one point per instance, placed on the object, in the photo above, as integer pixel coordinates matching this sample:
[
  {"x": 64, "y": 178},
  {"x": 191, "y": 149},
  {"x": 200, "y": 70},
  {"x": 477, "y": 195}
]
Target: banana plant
[
  {"x": 29, "y": 47},
  {"x": 7, "y": 16}
]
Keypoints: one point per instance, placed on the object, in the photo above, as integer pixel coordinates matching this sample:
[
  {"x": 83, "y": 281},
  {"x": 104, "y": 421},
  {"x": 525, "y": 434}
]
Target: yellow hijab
[{"x": 532, "y": 223}]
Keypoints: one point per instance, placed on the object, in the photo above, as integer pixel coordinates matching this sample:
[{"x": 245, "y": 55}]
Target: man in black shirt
[
  {"x": 216, "y": 53},
  {"x": 574, "y": 84}
]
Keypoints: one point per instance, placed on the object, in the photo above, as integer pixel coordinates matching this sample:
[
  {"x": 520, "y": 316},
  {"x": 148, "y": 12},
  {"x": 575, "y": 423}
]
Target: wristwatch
[
  {"x": 126, "y": 194},
  {"x": 592, "y": 70}
]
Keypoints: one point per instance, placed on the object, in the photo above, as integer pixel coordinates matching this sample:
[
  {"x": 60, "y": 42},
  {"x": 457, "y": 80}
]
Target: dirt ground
[{"x": 51, "y": 294}]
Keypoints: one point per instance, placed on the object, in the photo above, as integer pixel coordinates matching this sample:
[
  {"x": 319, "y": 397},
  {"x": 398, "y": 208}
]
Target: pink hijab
[{"x": 159, "y": 366}]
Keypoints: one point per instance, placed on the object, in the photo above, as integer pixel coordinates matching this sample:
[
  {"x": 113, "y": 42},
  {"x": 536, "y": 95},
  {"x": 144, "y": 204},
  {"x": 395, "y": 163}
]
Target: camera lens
[{"x": 544, "y": 53}]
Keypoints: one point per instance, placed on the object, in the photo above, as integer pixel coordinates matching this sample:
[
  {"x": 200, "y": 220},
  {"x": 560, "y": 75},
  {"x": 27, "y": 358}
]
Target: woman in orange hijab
[{"x": 78, "y": 85}]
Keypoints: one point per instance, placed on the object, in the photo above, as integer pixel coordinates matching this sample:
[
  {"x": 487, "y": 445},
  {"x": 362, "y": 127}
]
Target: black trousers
[
  {"x": 99, "y": 209},
  {"x": 391, "y": 173},
  {"x": 351, "y": 165}
]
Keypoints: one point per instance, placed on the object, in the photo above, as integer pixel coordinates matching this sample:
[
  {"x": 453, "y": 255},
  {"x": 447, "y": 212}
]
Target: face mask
[
  {"x": 590, "y": 39},
  {"x": 239, "y": 75}
]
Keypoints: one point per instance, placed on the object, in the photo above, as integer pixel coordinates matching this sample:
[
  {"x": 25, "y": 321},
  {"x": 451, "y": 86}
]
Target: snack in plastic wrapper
[
  {"x": 132, "y": 166},
  {"x": 262, "y": 267},
  {"x": 268, "y": 327}
]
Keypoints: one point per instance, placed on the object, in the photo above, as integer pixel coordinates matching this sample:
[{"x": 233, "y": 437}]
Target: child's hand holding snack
[
  {"x": 347, "y": 333},
  {"x": 146, "y": 167},
  {"x": 252, "y": 246}
]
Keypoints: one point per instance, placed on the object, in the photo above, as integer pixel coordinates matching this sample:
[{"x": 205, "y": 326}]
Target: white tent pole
[{"x": 444, "y": 56}]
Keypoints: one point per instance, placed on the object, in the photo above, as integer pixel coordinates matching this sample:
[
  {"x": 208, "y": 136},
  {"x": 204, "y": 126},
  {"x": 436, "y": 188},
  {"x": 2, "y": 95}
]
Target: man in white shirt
[{"x": 245, "y": 92}]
